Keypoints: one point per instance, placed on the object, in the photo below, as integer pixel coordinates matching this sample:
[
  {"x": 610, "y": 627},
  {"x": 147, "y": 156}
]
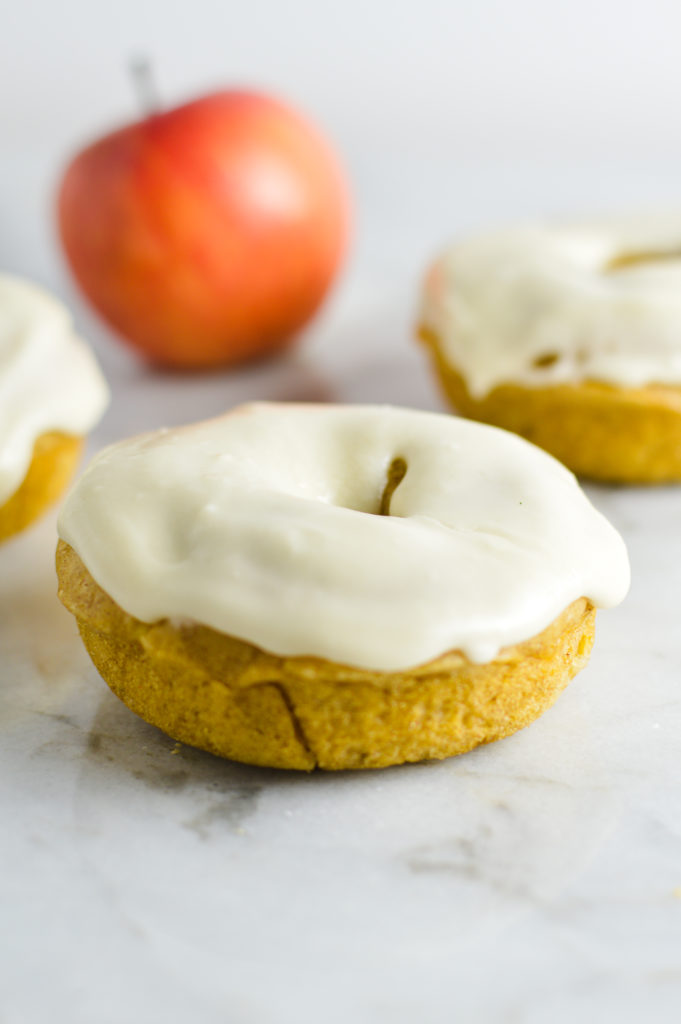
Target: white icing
[
  {"x": 499, "y": 302},
  {"x": 49, "y": 380},
  {"x": 262, "y": 525}
]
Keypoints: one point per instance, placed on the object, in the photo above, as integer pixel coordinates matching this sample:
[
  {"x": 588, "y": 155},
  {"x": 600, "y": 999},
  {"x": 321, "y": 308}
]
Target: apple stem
[{"x": 144, "y": 85}]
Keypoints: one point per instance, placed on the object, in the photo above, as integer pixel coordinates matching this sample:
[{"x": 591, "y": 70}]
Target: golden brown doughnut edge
[
  {"x": 616, "y": 434},
  {"x": 226, "y": 696},
  {"x": 54, "y": 461}
]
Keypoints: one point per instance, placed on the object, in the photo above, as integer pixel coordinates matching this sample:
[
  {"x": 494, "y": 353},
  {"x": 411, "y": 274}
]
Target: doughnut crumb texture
[{"x": 235, "y": 700}]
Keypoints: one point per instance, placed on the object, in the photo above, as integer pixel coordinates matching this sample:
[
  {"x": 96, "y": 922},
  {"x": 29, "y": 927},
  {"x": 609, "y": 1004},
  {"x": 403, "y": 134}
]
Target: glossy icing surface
[
  {"x": 49, "y": 380},
  {"x": 545, "y": 304},
  {"x": 265, "y": 525}
]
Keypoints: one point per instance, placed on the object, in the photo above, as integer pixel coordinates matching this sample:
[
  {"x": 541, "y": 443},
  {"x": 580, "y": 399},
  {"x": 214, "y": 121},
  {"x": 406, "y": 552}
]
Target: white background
[
  {"x": 535, "y": 880},
  {"x": 447, "y": 113}
]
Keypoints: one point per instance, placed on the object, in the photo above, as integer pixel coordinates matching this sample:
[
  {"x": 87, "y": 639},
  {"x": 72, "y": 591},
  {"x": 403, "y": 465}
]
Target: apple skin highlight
[{"x": 209, "y": 234}]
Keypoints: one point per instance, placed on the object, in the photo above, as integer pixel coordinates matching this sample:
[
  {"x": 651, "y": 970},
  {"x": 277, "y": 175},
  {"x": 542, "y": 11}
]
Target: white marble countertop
[{"x": 535, "y": 880}]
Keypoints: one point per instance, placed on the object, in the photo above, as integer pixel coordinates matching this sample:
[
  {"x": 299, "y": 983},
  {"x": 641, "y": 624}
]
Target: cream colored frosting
[
  {"x": 49, "y": 380},
  {"x": 549, "y": 304},
  {"x": 263, "y": 524}
]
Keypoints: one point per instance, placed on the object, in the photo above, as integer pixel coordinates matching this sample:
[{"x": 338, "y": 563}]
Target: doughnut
[
  {"x": 51, "y": 394},
  {"x": 305, "y": 586},
  {"x": 569, "y": 335}
]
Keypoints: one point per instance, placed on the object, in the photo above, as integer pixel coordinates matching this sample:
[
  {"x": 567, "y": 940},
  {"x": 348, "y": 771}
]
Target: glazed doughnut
[
  {"x": 51, "y": 394},
  {"x": 341, "y": 587},
  {"x": 570, "y": 336}
]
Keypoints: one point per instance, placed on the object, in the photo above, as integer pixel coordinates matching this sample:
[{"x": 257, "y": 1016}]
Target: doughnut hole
[
  {"x": 543, "y": 362},
  {"x": 397, "y": 471},
  {"x": 634, "y": 258}
]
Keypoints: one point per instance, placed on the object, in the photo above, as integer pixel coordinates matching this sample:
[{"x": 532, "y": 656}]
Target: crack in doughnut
[
  {"x": 296, "y": 725},
  {"x": 396, "y": 473}
]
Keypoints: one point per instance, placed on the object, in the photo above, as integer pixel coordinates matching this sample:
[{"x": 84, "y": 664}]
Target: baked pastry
[
  {"x": 335, "y": 587},
  {"x": 569, "y": 336},
  {"x": 51, "y": 394}
]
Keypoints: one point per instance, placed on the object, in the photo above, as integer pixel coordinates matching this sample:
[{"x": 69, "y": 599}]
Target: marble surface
[{"x": 535, "y": 880}]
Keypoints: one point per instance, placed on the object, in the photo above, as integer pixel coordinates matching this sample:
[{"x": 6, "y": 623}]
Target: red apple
[{"x": 207, "y": 234}]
